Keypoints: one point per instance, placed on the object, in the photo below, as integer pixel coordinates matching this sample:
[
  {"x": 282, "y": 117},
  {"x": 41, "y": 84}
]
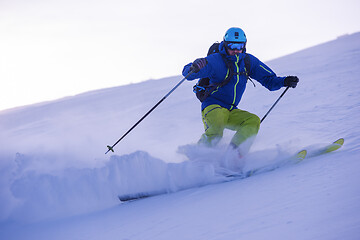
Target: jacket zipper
[{"x": 237, "y": 80}]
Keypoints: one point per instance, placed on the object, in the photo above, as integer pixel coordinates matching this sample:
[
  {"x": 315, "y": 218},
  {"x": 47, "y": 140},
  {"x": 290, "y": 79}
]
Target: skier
[{"x": 219, "y": 109}]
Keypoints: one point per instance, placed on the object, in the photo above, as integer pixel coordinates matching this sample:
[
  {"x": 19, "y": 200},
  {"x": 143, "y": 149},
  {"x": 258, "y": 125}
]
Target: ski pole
[
  {"x": 274, "y": 104},
  {"x": 111, "y": 148}
]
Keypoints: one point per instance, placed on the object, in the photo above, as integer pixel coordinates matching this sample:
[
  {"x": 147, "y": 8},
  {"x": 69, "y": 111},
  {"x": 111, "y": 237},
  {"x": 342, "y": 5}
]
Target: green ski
[
  {"x": 296, "y": 158},
  {"x": 327, "y": 149}
]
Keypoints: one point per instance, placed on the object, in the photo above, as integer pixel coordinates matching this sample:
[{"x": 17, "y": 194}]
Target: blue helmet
[{"x": 235, "y": 34}]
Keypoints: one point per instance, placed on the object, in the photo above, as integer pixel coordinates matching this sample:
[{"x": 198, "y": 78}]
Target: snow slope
[{"x": 57, "y": 183}]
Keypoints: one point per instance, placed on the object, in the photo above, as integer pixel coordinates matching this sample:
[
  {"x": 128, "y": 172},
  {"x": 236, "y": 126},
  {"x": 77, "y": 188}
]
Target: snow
[{"x": 57, "y": 183}]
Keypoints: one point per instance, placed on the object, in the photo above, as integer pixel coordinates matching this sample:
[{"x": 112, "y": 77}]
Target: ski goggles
[{"x": 235, "y": 46}]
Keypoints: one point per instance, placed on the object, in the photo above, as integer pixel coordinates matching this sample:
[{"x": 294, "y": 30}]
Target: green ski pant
[{"x": 217, "y": 118}]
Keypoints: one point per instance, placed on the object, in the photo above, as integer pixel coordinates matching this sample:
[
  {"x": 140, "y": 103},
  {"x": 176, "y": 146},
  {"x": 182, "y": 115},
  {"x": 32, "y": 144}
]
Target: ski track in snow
[{"x": 56, "y": 182}]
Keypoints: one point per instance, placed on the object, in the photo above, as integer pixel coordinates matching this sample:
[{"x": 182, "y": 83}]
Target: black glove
[
  {"x": 291, "y": 81},
  {"x": 198, "y": 64}
]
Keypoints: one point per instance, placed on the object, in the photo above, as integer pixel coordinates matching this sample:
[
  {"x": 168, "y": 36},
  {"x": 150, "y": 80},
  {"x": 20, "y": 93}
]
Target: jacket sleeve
[
  {"x": 186, "y": 71},
  {"x": 203, "y": 73},
  {"x": 264, "y": 75}
]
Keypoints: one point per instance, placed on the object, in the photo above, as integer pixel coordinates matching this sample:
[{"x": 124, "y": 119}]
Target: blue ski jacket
[{"x": 229, "y": 95}]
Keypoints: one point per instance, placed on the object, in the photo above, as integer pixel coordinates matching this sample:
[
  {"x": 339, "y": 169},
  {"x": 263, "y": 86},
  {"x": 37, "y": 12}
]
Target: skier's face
[
  {"x": 233, "y": 52},
  {"x": 234, "y": 48}
]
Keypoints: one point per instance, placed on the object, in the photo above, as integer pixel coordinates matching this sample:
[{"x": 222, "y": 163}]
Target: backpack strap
[
  {"x": 229, "y": 65},
  {"x": 231, "y": 70},
  {"x": 247, "y": 64},
  {"x": 247, "y": 68}
]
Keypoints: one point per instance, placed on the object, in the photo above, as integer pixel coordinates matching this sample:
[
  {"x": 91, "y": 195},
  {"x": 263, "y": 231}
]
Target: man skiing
[{"x": 219, "y": 108}]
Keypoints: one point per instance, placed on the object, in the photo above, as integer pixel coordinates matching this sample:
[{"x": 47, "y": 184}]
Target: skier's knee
[{"x": 255, "y": 122}]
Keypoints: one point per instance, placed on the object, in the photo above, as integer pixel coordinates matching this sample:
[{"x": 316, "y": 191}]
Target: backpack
[{"x": 203, "y": 88}]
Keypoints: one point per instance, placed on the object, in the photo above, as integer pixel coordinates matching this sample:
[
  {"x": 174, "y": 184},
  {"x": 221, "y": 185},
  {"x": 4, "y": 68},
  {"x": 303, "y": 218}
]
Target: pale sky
[{"x": 50, "y": 49}]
